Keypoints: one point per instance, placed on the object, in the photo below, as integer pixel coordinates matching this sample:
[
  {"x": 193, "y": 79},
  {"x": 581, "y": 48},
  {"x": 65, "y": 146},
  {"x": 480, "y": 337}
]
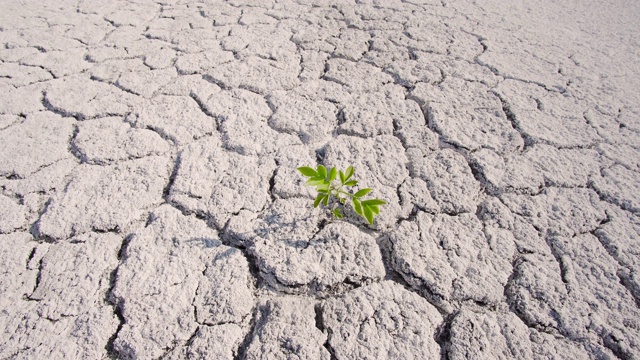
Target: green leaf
[
  {"x": 322, "y": 171},
  {"x": 368, "y": 214},
  {"x": 373, "y": 202},
  {"x": 332, "y": 174},
  {"x": 357, "y": 207},
  {"x": 314, "y": 182},
  {"x": 307, "y": 171},
  {"x": 351, "y": 183},
  {"x": 362, "y": 192},
  {"x": 349, "y": 173},
  {"x": 322, "y": 178},
  {"x": 319, "y": 198}
]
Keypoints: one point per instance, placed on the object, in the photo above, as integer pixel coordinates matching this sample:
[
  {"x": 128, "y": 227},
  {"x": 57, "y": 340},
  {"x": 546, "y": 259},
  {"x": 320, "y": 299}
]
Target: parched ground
[{"x": 150, "y": 207}]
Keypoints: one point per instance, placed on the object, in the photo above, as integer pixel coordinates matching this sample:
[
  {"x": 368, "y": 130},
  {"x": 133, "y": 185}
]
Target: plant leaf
[
  {"x": 326, "y": 200},
  {"x": 332, "y": 174},
  {"x": 314, "y": 182},
  {"x": 357, "y": 207},
  {"x": 368, "y": 214},
  {"x": 375, "y": 209},
  {"x": 337, "y": 213},
  {"x": 307, "y": 171},
  {"x": 350, "y": 172},
  {"x": 316, "y": 202},
  {"x": 342, "y": 178},
  {"x": 351, "y": 183},
  {"x": 322, "y": 171},
  {"x": 323, "y": 187},
  {"x": 373, "y": 202},
  {"x": 362, "y": 192}
]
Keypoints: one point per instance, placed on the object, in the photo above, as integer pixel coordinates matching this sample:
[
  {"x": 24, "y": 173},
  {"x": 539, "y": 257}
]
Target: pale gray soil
[{"x": 150, "y": 206}]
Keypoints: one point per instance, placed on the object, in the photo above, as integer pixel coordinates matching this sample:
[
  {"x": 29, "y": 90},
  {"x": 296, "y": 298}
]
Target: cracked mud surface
[{"x": 150, "y": 207}]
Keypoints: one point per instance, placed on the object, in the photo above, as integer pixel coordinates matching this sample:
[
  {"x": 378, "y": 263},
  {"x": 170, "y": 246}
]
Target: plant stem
[{"x": 340, "y": 191}]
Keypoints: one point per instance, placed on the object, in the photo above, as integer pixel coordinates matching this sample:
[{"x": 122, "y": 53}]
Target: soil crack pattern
[{"x": 151, "y": 207}]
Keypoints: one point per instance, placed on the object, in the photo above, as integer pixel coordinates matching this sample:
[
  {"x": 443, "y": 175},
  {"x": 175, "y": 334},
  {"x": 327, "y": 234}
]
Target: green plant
[{"x": 329, "y": 186}]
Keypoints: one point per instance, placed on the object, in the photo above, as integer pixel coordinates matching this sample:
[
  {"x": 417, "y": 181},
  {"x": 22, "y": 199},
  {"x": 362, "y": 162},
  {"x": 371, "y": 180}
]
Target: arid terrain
[{"x": 150, "y": 206}]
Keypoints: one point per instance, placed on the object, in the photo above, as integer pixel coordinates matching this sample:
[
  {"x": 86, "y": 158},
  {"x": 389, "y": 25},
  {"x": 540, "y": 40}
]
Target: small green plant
[{"x": 325, "y": 182}]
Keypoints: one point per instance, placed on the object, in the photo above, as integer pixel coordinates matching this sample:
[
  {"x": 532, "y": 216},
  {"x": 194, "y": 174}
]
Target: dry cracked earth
[{"x": 150, "y": 207}]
